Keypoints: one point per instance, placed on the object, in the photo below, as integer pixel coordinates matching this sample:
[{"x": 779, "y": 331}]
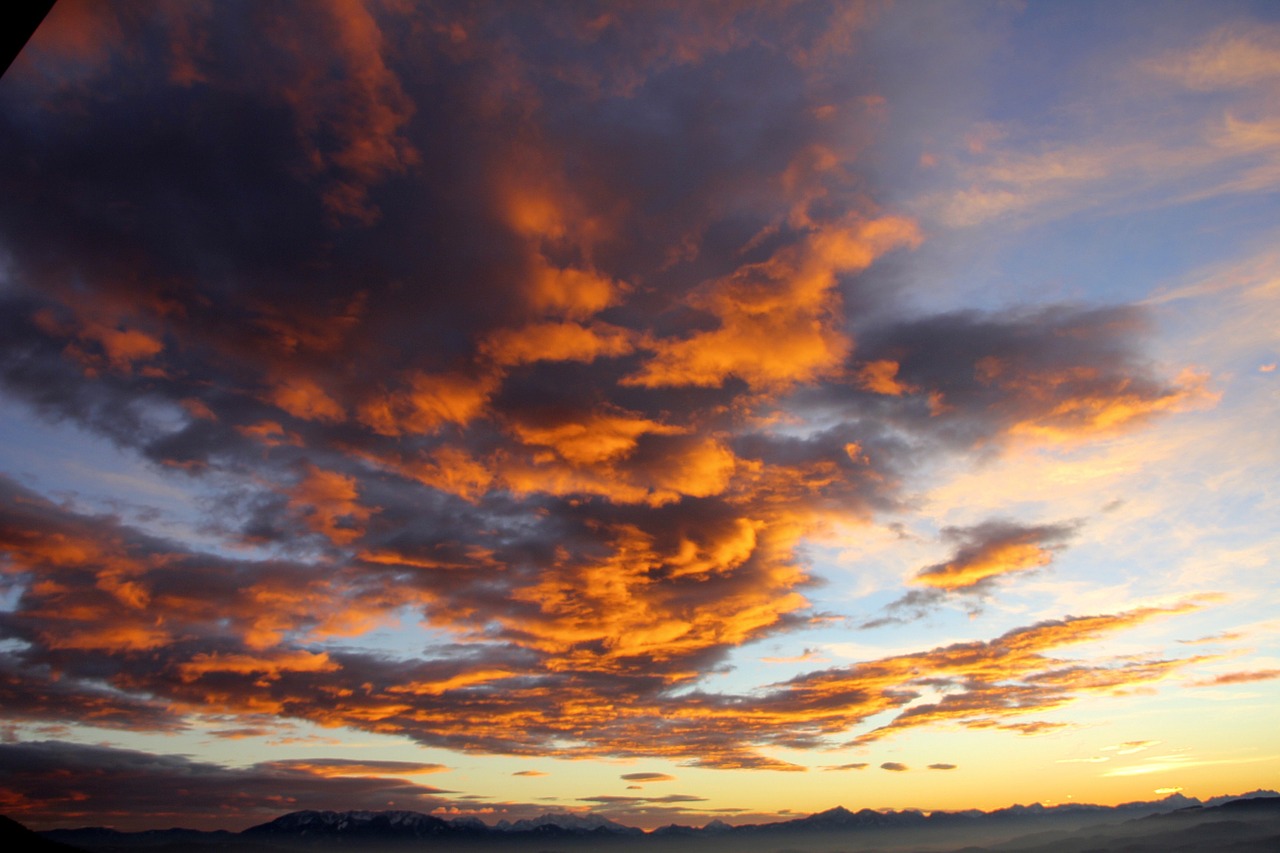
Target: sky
[{"x": 672, "y": 411}]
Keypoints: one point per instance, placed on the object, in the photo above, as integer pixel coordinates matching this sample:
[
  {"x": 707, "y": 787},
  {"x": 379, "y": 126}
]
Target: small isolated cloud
[
  {"x": 807, "y": 656},
  {"x": 942, "y": 767},
  {"x": 1238, "y": 678},
  {"x": 1168, "y": 790},
  {"x": 981, "y": 555},
  {"x": 647, "y": 777},
  {"x": 1222, "y": 637},
  {"x": 1267, "y": 368},
  {"x": 529, "y": 773},
  {"x": 992, "y": 549},
  {"x": 355, "y": 767},
  {"x": 857, "y": 765},
  {"x": 894, "y": 766},
  {"x": 1130, "y": 747},
  {"x": 614, "y": 800},
  {"x": 1035, "y": 727}
]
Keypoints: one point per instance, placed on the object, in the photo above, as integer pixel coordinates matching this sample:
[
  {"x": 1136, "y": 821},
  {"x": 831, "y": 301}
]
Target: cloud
[
  {"x": 612, "y": 800},
  {"x": 531, "y": 773},
  {"x": 1128, "y": 150},
  {"x": 647, "y": 777},
  {"x": 356, "y": 767},
  {"x": 983, "y": 554},
  {"x": 101, "y": 584},
  {"x": 805, "y": 656},
  {"x": 1130, "y": 747},
  {"x": 562, "y": 334},
  {"x": 789, "y": 300},
  {"x": 992, "y": 549},
  {"x": 1220, "y": 637},
  {"x": 62, "y": 784},
  {"x": 1229, "y": 57},
  {"x": 1243, "y": 677},
  {"x": 894, "y": 766},
  {"x": 942, "y": 767},
  {"x": 858, "y": 765},
  {"x": 1061, "y": 374}
]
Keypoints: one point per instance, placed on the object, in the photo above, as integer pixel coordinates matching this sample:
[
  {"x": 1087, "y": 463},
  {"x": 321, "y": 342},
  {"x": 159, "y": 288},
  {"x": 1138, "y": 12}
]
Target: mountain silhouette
[{"x": 1248, "y": 824}]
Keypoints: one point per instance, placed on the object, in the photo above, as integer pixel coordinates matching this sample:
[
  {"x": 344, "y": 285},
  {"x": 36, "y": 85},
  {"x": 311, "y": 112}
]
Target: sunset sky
[{"x": 678, "y": 411}]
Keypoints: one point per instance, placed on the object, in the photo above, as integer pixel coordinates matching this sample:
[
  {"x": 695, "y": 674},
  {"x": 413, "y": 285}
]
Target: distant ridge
[
  {"x": 568, "y": 822},
  {"x": 15, "y": 836},
  {"x": 310, "y": 829},
  {"x": 322, "y": 825},
  {"x": 406, "y": 825}
]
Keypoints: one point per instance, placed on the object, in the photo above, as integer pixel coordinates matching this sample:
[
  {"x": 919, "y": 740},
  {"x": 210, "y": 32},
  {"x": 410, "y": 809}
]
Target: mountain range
[{"x": 1218, "y": 823}]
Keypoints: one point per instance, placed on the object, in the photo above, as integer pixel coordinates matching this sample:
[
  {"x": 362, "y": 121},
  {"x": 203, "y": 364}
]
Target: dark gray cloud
[
  {"x": 63, "y": 784},
  {"x": 1053, "y": 372}
]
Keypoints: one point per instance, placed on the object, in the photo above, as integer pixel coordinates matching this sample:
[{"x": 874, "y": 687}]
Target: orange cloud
[
  {"x": 123, "y": 347},
  {"x": 198, "y": 409},
  {"x": 431, "y": 401},
  {"x": 329, "y": 503},
  {"x": 596, "y": 438},
  {"x": 96, "y": 632},
  {"x": 993, "y": 561},
  {"x": 881, "y": 377},
  {"x": 333, "y": 767},
  {"x": 637, "y": 598},
  {"x": 571, "y": 418},
  {"x": 267, "y": 667},
  {"x": 351, "y": 115},
  {"x": 556, "y": 341},
  {"x": 454, "y": 682},
  {"x": 270, "y": 433},
  {"x": 788, "y": 301},
  {"x": 101, "y": 337},
  {"x": 1009, "y": 676},
  {"x": 448, "y": 468},
  {"x": 572, "y": 293},
  {"x": 304, "y": 398},
  {"x": 1111, "y": 407},
  {"x": 472, "y": 557},
  {"x": 644, "y": 602},
  {"x": 668, "y": 467}
]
